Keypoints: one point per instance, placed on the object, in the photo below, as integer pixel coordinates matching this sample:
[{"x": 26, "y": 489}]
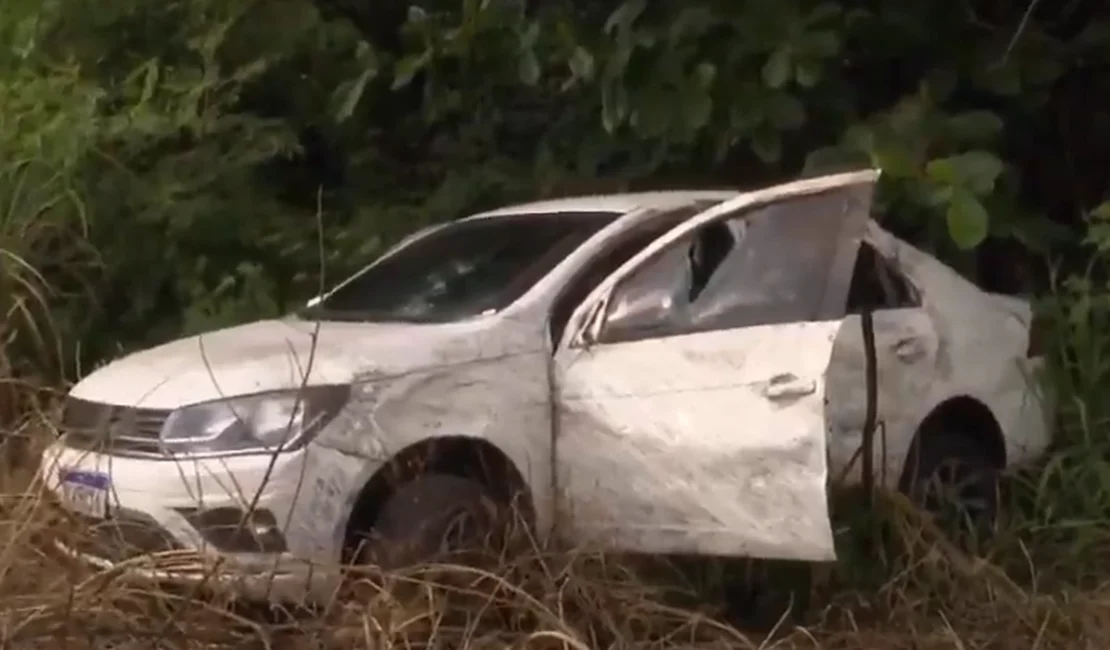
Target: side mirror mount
[{"x": 591, "y": 323}]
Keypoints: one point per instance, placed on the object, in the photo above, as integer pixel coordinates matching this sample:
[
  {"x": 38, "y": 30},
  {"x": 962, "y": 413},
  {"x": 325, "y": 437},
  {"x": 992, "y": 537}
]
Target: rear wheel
[{"x": 955, "y": 478}]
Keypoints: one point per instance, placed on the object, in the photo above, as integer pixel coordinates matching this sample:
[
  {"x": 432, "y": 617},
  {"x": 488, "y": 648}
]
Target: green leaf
[
  {"x": 1039, "y": 233},
  {"x": 907, "y": 116},
  {"x": 859, "y": 137},
  {"x": 351, "y": 92},
  {"x": 943, "y": 172},
  {"x": 697, "y": 109},
  {"x": 973, "y": 126},
  {"x": 807, "y": 72},
  {"x": 617, "y": 62},
  {"x": 582, "y": 63},
  {"x": 691, "y": 23},
  {"x": 704, "y": 75},
  {"x": 150, "y": 80},
  {"x": 827, "y": 160},
  {"x": 777, "y": 70},
  {"x": 530, "y": 35},
  {"x": 528, "y": 67},
  {"x": 767, "y": 145},
  {"x": 1101, "y": 212},
  {"x": 895, "y": 160},
  {"x": 417, "y": 15},
  {"x": 625, "y": 15},
  {"x": 408, "y": 67},
  {"x": 1004, "y": 79},
  {"x": 937, "y": 195},
  {"x": 975, "y": 171},
  {"x": 968, "y": 221},
  {"x": 614, "y": 105}
]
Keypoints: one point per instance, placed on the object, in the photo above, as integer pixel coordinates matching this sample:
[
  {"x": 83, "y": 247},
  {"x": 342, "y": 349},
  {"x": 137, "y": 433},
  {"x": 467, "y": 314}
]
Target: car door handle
[
  {"x": 909, "y": 349},
  {"x": 788, "y": 386}
]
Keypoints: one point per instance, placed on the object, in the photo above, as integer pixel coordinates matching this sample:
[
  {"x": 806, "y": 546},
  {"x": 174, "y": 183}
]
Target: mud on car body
[{"x": 671, "y": 372}]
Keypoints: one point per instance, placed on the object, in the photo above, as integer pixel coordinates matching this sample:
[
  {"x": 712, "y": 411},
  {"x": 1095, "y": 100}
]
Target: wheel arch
[
  {"x": 456, "y": 455},
  {"x": 970, "y": 415}
]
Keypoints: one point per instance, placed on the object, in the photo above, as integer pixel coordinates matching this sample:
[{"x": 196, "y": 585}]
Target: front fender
[{"x": 504, "y": 401}]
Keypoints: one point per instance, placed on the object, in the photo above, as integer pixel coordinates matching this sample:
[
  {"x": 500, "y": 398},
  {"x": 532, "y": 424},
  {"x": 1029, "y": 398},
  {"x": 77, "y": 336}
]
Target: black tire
[
  {"x": 954, "y": 477},
  {"x": 433, "y": 518}
]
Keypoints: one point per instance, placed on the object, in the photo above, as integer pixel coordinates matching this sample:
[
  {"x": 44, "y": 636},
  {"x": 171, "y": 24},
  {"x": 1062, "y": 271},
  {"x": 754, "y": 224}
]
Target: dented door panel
[
  {"x": 906, "y": 348},
  {"x": 708, "y": 443}
]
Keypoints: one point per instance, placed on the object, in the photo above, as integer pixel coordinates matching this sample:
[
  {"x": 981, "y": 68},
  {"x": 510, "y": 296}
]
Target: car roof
[{"x": 614, "y": 203}]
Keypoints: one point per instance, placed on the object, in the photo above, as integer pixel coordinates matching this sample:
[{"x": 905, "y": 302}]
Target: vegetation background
[{"x": 166, "y": 167}]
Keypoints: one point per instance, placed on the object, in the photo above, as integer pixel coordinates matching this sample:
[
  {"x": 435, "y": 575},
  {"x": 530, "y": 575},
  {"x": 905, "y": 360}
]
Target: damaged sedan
[{"x": 678, "y": 372}]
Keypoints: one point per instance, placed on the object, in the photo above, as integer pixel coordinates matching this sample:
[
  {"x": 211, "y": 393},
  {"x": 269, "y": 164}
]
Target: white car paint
[
  {"x": 718, "y": 442},
  {"x": 959, "y": 341}
]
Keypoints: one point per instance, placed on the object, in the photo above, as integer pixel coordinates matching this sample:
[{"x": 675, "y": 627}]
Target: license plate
[{"x": 85, "y": 493}]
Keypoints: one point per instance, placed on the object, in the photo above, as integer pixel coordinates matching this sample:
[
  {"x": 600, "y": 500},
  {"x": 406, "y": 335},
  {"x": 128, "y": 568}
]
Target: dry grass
[{"x": 913, "y": 590}]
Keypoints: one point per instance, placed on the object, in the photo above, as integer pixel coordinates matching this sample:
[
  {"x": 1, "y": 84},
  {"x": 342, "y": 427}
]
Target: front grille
[
  {"x": 93, "y": 426},
  {"x": 124, "y": 536}
]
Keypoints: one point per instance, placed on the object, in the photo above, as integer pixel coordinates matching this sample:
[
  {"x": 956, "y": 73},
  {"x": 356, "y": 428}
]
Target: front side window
[
  {"x": 466, "y": 269},
  {"x": 770, "y": 264}
]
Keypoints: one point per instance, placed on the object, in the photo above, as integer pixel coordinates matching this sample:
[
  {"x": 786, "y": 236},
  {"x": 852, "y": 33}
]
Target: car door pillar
[{"x": 871, "y": 382}]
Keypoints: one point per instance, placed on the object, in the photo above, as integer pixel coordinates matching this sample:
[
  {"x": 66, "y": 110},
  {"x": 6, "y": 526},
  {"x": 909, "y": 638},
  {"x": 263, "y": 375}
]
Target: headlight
[{"x": 275, "y": 421}]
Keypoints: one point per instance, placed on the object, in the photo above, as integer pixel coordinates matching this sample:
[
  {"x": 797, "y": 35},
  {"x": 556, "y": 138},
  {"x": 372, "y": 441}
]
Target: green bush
[{"x": 201, "y": 146}]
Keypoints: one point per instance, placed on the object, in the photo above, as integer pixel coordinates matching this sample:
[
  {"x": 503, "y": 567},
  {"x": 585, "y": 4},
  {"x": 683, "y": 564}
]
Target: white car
[{"x": 672, "y": 372}]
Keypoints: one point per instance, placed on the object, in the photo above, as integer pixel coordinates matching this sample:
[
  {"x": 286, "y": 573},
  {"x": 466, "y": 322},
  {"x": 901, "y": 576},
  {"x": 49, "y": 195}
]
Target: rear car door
[{"x": 906, "y": 366}]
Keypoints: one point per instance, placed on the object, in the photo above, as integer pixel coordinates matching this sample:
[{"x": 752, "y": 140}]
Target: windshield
[{"x": 466, "y": 269}]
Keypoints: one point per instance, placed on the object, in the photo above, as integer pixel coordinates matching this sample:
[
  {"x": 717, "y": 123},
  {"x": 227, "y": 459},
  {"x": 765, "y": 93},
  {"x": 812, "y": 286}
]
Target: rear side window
[{"x": 877, "y": 283}]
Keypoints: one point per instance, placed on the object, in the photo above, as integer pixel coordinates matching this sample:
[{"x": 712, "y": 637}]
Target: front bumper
[
  {"x": 204, "y": 573},
  {"x": 146, "y": 531}
]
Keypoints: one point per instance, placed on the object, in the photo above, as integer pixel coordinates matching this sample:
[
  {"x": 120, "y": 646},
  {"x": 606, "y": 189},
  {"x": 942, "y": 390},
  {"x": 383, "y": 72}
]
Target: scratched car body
[{"x": 669, "y": 372}]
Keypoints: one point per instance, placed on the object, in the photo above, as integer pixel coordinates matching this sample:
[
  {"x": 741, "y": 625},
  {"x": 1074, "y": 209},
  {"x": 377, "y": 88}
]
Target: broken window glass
[
  {"x": 768, "y": 265},
  {"x": 877, "y": 283},
  {"x": 617, "y": 251}
]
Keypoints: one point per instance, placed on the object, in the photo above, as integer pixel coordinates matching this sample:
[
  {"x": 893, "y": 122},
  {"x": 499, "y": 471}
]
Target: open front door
[{"x": 691, "y": 395}]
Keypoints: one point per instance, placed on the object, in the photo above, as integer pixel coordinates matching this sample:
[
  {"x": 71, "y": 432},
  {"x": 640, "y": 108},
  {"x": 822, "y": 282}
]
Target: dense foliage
[{"x": 174, "y": 166}]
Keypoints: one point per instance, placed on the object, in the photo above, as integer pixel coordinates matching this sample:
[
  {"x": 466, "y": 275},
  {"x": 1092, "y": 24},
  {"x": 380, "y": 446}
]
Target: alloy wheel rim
[{"x": 959, "y": 495}]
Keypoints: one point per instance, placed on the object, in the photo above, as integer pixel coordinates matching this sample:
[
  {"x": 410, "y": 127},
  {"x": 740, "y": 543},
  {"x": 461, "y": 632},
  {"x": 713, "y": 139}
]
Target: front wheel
[{"x": 433, "y": 518}]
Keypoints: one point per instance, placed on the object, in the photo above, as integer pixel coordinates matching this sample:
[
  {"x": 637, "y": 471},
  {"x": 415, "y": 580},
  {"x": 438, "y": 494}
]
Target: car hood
[{"x": 278, "y": 354}]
